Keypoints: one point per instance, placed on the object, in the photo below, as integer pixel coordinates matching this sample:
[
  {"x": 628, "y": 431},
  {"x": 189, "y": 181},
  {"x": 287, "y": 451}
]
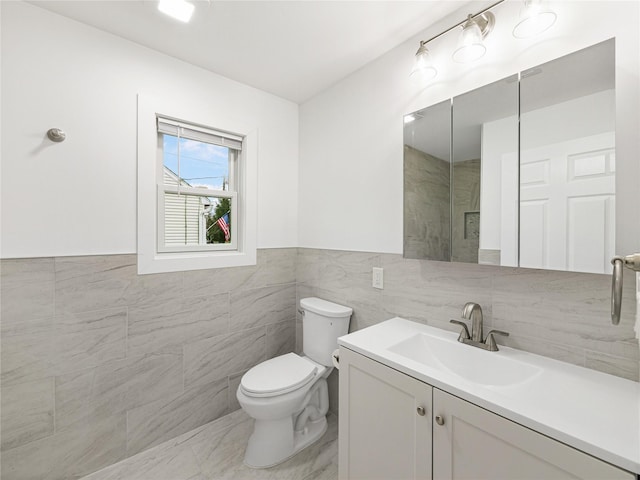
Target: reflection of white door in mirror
[{"x": 567, "y": 195}]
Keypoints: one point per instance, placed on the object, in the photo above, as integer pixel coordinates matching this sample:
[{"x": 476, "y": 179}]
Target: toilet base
[{"x": 264, "y": 450}]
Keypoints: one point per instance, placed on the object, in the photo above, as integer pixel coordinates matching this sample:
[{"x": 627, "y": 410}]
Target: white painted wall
[
  {"x": 499, "y": 137},
  {"x": 575, "y": 118},
  {"x": 346, "y": 191},
  {"x": 79, "y": 197},
  {"x": 351, "y": 134}
]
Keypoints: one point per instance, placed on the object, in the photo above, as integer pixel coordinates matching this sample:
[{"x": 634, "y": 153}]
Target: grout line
[
  {"x": 184, "y": 373},
  {"x": 126, "y": 333},
  {"x": 55, "y": 427}
]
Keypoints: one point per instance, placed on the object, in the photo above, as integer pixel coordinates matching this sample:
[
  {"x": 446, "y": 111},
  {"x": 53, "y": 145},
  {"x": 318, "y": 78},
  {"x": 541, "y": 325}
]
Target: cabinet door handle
[
  {"x": 421, "y": 411},
  {"x": 439, "y": 419}
]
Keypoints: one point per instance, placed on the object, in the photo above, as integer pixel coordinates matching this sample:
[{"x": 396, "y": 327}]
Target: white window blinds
[{"x": 198, "y": 133}]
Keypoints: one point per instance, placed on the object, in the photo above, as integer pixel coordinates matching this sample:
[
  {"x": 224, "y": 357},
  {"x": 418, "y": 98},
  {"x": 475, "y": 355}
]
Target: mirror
[
  {"x": 567, "y": 162},
  {"x": 518, "y": 172},
  {"x": 485, "y": 139}
]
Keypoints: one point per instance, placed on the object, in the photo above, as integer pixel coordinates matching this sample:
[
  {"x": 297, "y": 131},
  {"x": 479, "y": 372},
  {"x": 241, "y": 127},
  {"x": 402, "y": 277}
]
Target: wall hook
[{"x": 56, "y": 135}]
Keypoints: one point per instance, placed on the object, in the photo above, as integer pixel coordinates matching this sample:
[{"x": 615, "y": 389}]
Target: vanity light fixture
[
  {"x": 178, "y": 9},
  {"x": 535, "y": 18},
  {"x": 470, "y": 47},
  {"x": 470, "y": 44}
]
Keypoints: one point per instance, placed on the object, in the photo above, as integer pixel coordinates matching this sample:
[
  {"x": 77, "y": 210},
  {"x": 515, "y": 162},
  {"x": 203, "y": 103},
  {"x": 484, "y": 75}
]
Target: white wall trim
[{"x": 149, "y": 259}]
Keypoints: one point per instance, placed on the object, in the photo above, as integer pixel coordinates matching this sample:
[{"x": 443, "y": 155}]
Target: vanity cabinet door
[
  {"x": 384, "y": 423},
  {"x": 473, "y": 443}
]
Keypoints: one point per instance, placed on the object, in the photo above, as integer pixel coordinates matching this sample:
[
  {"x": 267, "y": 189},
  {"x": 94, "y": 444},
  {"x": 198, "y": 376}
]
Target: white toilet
[{"x": 287, "y": 395}]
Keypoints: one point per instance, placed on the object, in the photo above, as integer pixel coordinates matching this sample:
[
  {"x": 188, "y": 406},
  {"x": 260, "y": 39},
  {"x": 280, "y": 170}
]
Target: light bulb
[
  {"x": 470, "y": 45},
  {"x": 535, "y": 18},
  {"x": 423, "y": 69}
]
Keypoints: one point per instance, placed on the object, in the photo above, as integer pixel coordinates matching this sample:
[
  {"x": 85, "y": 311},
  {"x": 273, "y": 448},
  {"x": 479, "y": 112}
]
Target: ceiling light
[
  {"x": 423, "y": 68},
  {"x": 470, "y": 44},
  {"x": 178, "y": 9},
  {"x": 535, "y": 18}
]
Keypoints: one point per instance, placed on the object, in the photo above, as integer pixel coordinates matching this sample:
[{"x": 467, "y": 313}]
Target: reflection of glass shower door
[{"x": 567, "y": 205}]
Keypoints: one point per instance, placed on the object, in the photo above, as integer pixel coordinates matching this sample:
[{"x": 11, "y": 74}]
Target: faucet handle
[
  {"x": 491, "y": 342},
  {"x": 464, "y": 333}
]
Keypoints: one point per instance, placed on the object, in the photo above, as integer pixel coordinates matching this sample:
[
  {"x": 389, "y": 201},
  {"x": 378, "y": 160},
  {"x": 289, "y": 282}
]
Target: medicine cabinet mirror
[{"x": 520, "y": 172}]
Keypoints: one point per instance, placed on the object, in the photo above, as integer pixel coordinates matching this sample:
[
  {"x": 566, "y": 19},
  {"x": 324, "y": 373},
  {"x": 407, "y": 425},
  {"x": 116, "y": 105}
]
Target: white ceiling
[{"x": 293, "y": 49}]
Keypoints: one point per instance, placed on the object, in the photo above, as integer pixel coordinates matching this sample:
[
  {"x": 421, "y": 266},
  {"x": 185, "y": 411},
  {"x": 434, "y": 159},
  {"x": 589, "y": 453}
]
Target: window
[{"x": 197, "y": 188}]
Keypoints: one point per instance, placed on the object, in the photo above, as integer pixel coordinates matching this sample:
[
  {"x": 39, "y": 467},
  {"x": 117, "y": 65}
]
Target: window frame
[
  {"x": 234, "y": 193},
  {"x": 200, "y": 192},
  {"x": 153, "y": 256}
]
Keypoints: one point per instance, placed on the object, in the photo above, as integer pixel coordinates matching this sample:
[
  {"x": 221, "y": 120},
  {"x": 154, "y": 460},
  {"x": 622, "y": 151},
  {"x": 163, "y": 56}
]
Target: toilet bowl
[
  {"x": 277, "y": 408},
  {"x": 287, "y": 396}
]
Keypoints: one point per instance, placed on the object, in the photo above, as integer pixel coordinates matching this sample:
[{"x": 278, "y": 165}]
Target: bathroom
[{"x": 104, "y": 363}]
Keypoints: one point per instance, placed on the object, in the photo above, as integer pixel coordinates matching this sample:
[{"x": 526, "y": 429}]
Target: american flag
[{"x": 223, "y": 223}]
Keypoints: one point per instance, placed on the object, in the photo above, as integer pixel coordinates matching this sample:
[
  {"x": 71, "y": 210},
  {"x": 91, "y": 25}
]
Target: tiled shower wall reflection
[
  {"x": 561, "y": 315},
  {"x": 99, "y": 363}
]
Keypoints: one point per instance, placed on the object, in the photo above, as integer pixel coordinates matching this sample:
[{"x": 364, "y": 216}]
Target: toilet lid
[{"x": 278, "y": 375}]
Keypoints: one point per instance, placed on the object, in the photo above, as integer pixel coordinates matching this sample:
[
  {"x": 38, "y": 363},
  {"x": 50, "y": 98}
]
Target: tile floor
[{"x": 215, "y": 451}]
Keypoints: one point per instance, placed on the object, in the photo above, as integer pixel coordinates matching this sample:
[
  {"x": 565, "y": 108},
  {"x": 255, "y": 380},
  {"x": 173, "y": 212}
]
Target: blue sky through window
[{"x": 201, "y": 164}]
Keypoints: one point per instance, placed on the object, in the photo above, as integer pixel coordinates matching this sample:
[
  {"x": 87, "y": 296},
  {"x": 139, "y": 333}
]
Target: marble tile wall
[
  {"x": 561, "y": 315},
  {"x": 465, "y": 232},
  {"x": 98, "y": 363},
  {"x": 427, "y": 215}
]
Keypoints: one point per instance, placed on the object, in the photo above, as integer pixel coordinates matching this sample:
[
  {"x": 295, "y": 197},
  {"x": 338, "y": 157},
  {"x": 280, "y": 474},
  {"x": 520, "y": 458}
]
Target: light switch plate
[{"x": 378, "y": 278}]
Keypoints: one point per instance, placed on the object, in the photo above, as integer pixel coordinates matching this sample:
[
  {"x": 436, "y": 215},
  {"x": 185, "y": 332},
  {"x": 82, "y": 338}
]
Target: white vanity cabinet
[
  {"x": 382, "y": 434},
  {"x": 384, "y": 422},
  {"x": 474, "y": 443}
]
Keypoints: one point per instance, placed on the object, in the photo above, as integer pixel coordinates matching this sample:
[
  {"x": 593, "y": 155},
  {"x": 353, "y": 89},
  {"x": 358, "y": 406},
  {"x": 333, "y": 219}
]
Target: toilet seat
[{"x": 279, "y": 375}]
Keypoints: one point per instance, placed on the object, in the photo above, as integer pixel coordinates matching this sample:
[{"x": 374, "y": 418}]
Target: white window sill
[{"x": 178, "y": 262}]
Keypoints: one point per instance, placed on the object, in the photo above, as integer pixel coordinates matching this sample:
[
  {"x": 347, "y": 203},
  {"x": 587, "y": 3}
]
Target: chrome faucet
[{"x": 473, "y": 311}]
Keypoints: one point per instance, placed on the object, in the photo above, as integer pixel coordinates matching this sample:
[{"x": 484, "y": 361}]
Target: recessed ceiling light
[
  {"x": 412, "y": 117},
  {"x": 178, "y": 9}
]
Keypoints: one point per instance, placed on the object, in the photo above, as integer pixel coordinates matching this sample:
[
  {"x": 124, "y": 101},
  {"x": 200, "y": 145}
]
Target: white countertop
[{"x": 588, "y": 410}]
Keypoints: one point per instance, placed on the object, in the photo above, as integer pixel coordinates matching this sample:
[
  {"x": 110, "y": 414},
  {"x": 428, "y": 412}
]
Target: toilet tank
[{"x": 323, "y": 322}]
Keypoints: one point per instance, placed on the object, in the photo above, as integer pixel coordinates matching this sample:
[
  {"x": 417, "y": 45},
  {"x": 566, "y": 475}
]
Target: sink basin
[{"x": 467, "y": 362}]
